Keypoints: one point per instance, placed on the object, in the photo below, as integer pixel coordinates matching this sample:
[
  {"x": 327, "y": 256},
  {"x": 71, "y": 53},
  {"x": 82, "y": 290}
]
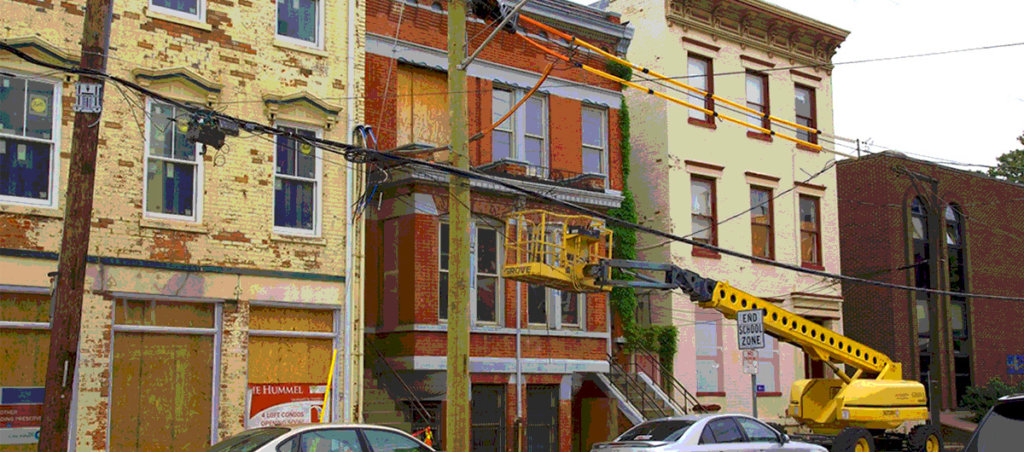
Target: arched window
[
  {"x": 958, "y": 306},
  {"x": 922, "y": 278}
]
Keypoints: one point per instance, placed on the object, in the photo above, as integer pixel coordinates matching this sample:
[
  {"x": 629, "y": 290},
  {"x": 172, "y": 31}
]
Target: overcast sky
[{"x": 966, "y": 107}]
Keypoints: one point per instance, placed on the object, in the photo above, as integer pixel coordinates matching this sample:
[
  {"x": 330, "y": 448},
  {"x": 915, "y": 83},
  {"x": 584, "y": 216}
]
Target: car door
[
  {"x": 387, "y": 441},
  {"x": 324, "y": 440},
  {"x": 762, "y": 437},
  {"x": 722, "y": 434}
]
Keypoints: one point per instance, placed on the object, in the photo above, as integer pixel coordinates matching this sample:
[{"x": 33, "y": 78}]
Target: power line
[{"x": 357, "y": 154}]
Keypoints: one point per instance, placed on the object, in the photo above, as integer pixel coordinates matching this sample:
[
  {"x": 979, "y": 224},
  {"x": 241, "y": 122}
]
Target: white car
[
  {"x": 705, "y": 433},
  {"x": 322, "y": 438}
]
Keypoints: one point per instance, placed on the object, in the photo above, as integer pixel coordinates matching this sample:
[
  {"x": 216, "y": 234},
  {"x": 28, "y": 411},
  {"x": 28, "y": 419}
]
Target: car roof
[
  {"x": 1006, "y": 398},
  {"x": 297, "y": 427}
]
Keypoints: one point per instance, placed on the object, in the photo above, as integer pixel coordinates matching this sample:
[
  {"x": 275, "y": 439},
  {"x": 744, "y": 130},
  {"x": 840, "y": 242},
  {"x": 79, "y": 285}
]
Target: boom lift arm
[{"x": 819, "y": 342}]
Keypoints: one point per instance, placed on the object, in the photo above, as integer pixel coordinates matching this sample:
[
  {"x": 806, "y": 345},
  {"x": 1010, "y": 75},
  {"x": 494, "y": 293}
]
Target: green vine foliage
[{"x": 660, "y": 338}]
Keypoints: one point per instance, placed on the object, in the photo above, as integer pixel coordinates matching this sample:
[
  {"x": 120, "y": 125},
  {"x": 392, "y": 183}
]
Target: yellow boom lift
[{"x": 850, "y": 413}]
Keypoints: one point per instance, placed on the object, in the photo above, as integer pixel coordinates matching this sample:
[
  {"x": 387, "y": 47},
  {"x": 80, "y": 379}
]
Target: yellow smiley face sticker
[
  {"x": 182, "y": 126},
  {"x": 37, "y": 105},
  {"x": 305, "y": 148}
]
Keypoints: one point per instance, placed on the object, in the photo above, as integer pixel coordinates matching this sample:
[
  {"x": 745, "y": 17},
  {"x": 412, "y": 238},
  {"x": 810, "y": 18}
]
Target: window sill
[
  {"x": 711, "y": 394},
  {"x": 279, "y": 43},
  {"x": 804, "y": 147},
  {"x": 759, "y": 136},
  {"x": 178, "y": 20},
  {"x": 812, "y": 266},
  {"x": 305, "y": 240},
  {"x": 36, "y": 211},
  {"x": 701, "y": 123},
  {"x": 182, "y": 225},
  {"x": 769, "y": 394},
  {"x": 704, "y": 252}
]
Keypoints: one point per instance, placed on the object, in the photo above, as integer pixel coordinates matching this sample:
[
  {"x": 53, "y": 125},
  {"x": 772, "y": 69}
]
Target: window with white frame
[
  {"x": 555, "y": 308},
  {"x": 486, "y": 286},
  {"x": 185, "y": 9},
  {"x": 595, "y": 140},
  {"x": 768, "y": 366},
  {"x": 29, "y": 135},
  {"x": 297, "y": 183},
  {"x": 708, "y": 334},
  {"x": 523, "y": 136},
  {"x": 173, "y": 173},
  {"x": 300, "y": 21}
]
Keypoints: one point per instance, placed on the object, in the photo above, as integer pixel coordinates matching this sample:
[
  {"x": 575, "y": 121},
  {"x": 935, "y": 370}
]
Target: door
[{"x": 542, "y": 418}]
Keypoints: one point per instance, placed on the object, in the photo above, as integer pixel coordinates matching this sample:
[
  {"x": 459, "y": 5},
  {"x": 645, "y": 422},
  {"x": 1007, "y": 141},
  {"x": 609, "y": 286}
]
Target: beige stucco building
[
  {"x": 214, "y": 277},
  {"x": 699, "y": 176}
]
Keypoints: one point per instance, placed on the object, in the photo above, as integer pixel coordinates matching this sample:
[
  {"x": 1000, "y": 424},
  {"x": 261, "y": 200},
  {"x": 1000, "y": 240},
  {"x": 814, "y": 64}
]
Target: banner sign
[
  {"x": 284, "y": 404},
  {"x": 21, "y": 414},
  {"x": 1015, "y": 364}
]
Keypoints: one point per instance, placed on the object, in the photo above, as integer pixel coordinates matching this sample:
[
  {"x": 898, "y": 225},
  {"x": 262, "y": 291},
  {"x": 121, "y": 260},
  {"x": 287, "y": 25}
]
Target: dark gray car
[{"x": 1002, "y": 429}]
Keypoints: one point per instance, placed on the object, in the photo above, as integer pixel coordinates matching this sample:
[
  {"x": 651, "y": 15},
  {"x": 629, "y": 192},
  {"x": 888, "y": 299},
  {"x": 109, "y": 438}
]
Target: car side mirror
[{"x": 783, "y": 439}]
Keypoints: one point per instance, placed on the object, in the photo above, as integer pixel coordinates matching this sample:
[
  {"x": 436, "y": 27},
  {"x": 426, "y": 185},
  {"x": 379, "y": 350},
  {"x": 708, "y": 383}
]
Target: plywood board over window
[
  {"x": 163, "y": 371},
  {"x": 23, "y": 350},
  {"x": 278, "y": 359},
  {"x": 422, "y": 106}
]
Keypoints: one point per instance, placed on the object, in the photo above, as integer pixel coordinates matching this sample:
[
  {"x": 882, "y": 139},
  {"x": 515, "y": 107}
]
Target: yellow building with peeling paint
[
  {"x": 214, "y": 278},
  {"x": 735, "y": 187}
]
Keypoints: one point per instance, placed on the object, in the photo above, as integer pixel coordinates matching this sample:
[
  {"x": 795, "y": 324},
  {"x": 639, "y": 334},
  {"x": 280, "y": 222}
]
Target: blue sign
[
  {"x": 22, "y": 395},
  {"x": 1015, "y": 364},
  {"x": 760, "y": 388}
]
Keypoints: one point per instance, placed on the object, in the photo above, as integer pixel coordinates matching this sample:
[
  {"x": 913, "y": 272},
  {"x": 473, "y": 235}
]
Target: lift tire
[
  {"x": 854, "y": 439},
  {"x": 924, "y": 438}
]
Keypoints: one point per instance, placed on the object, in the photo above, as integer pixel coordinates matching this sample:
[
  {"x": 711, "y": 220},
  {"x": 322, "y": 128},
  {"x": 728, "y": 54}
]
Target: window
[
  {"x": 523, "y": 136},
  {"x": 568, "y": 306},
  {"x": 709, "y": 353},
  {"x": 299, "y": 21},
  {"x": 185, "y": 9},
  {"x": 542, "y": 418},
  {"x": 703, "y": 214},
  {"x": 659, "y": 430},
  {"x": 385, "y": 441},
  {"x": 29, "y": 134},
  {"x": 421, "y": 106},
  {"x": 442, "y": 278},
  {"x": 487, "y": 408},
  {"x": 595, "y": 140},
  {"x": 486, "y": 288},
  {"x": 806, "y": 113},
  {"x": 297, "y": 182},
  {"x": 700, "y": 76},
  {"x": 768, "y": 366},
  {"x": 757, "y": 99},
  {"x": 173, "y": 173},
  {"x": 762, "y": 223},
  {"x": 325, "y": 440},
  {"x": 756, "y": 431},
  {"x": 810, "y": 231},
  {"x": 959, "y": 306},
  {"x": 723, "y": 430}
]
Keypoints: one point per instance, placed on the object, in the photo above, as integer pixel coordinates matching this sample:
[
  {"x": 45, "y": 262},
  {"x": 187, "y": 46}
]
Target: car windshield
[
  {"x": 667, "y": 430},
  {"x": 249, "y": 440},
  {"x": 999, "y": 428}
]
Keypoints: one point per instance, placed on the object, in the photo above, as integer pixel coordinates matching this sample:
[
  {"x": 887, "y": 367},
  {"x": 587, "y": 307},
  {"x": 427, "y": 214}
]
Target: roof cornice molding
[{"x": 762, "y": 26}]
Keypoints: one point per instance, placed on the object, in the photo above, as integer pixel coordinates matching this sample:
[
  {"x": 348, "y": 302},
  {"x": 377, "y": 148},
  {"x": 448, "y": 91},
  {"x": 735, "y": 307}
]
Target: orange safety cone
[{"x": 428, "y": 439}]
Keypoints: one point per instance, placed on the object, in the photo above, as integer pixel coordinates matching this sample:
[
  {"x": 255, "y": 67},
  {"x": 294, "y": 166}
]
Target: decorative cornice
[
  {"x": 762, "y": 26},
  {"x": 38, "y": 47},
  {"x": 703, "y": 44},
  {"x": 148, "y": 77},
  {"x": 315, "y": 110}
]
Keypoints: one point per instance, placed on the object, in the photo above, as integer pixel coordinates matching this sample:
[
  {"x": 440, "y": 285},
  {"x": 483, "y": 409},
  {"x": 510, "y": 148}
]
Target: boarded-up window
[
  {"x": 23, "y": 351},
  {"x": 162, "y": 391},
  {"x": 422, "y": 105}
]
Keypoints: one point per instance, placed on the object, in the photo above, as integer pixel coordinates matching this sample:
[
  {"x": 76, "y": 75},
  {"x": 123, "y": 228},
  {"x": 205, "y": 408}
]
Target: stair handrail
[
  {"x": 666, "y": 373},
  {"x": 417, "y": 404},
  {"x": 631, "y": 383}
]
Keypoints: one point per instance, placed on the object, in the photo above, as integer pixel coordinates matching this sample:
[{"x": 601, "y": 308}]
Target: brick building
[
  {"x": 736, "y": 187},
  {"x": 883, "y": 220},
  {"x": 209, "y": 273},
  {"x": 564, "y": 141}
]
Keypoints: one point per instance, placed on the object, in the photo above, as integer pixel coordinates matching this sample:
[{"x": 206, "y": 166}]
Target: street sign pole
[{"x": 750, "y": 337}]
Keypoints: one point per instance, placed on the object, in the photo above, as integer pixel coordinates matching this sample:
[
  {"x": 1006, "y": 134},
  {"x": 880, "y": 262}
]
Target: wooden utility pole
[
  {"x": 74, "y": 247},
  {"x": 456, "y": 435},
  {"x": 936, "y": 313}
]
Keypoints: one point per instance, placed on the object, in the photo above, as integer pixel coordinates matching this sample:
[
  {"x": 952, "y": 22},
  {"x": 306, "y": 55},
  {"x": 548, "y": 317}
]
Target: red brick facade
[
  {"x": 875, "y": 196},
  {"x": 402, "y": 241}
]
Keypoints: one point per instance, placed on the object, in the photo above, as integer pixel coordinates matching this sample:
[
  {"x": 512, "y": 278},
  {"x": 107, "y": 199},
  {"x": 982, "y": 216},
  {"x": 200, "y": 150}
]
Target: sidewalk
[{"x": 955, "y": 430}]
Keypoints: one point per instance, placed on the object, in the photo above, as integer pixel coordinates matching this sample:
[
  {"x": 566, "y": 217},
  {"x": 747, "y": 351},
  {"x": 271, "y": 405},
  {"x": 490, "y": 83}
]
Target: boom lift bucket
[{"x": 552, "y": 249}]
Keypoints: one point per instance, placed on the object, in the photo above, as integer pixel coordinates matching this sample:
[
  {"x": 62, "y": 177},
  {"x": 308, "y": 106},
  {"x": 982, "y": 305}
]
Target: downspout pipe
[
  {"x": 350, "y": 243},
  {"x": 519, "y": 364}
]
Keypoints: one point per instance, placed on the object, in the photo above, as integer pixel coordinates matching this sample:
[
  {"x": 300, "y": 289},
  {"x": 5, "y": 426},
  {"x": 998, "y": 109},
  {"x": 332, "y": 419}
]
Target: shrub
[{"x": 979, "y": 399}]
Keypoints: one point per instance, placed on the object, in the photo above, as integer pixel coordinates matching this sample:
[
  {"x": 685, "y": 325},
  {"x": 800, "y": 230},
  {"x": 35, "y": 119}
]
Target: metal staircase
[
  {"x": 640, "y": 397},
  {"x": 380, "y": 406}
]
